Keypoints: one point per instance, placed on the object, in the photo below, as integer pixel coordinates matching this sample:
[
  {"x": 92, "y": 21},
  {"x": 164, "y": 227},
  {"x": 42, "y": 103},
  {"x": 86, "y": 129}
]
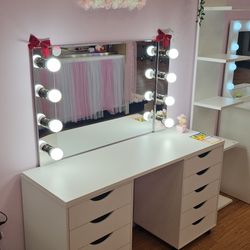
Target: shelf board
[
  {"x": 223, "y": 58},
  {"x": 218, "y": 8},
  {"x": 217, "y": 103},
  {"x": 223, "y": 201},
  {"x": 229, "y": 144}
]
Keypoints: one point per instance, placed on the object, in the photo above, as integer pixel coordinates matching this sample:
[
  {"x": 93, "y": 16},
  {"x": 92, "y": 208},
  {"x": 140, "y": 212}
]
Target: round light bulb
[
  {"x": 230, "y": 86},
  {"x": 147, "y": 116},
  {"x": 53, "y": 64},
  {"x": 149, "y": 73},
  {"x": 235, "y": 46},
  {"x": 56, "y": 154},
  {"x": 237, "y": 26},
  {"x": 169, "y": 100},
  {"x": 171, "y": 77},
  {"x": 169, "y": 122},
  {"x": 54, "y": 95},
  {"x": 149, "y": 96},
  {"x": 173, "y": 53},
  {"x": 248, "y": 26},
  {"x": 232, "y": 66},
  {"x": 56, "y": 50},
  {"x": 55, "y": 125},
  {"x": 151, "y": 50}
]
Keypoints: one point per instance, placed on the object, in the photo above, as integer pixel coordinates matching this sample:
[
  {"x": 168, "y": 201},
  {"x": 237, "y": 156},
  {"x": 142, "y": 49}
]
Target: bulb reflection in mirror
[
  {"x": 171, "y": 77},
  {"x": 54, "y": 125},
  {"x": 237, "y": 26},
  {"x": 147, "y": 116},
  {"x": 169, "y": 100},
  {"x": 230, "y": 86},
  {"x": 56, "y": 50},
  {"x": 149, "y": 74},
  {"x": 169, "y": 122},
  {"x": 151, "y": 50},
  {"x": 248, "y": 26},
  {"x": 173, "y": 53},
  {"x": 232, "y": 66},
  {"x": 55, "y": 153},
  {"x": 149, "y": 96},
  {"x": 235, "y": 46},
  {"x": 53, "y": 95}
]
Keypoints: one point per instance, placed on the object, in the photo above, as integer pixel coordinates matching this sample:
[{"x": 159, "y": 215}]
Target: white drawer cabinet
[
  {"x": 102, "y": 222},
  {"x": 179, "y": 203}
]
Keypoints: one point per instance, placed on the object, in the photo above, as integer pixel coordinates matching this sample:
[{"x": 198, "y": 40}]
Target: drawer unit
[
  {"x": 100, "y": 227},
  {"x": 119, "y": 239},
  {"x": 195, "y": 213},
  {"x": 196, "y": 197},
  {"x": 202, "y": 161},
  {"x": 200, "y": 179},
  {"x": 100, "y": 205},
  {"x": 197, "y": 228}
]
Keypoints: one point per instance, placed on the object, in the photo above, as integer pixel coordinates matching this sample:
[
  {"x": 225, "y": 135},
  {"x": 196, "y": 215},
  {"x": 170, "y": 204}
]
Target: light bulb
[
  {"x": 53, "y": 64},
  {"x": 147, "y": 116},
  {"x": 171, "y": 77},
  {"x": 173, "y": 53},
  {"x": 169, "y": 122},
  {"x": 235, "y": 46},
  {"x": 248, "y": 26},
  {"x": 230, "y": 86},
  {"x": 149, "y": 74},
  {"x": 151, "y": 50},
  {"x": 56, "y": 50},
  {"x": 237, "y": 25},
  {"x": 232, "y": 66},
  {"x": 54, "y": 95},
  {"x": 55, "y": 125},
  {"x": 169, "y": 100},
  {"x": 34, "y": 61},
  {"x": 56, "y": 154},
  {"x": 149, "y": 95}
]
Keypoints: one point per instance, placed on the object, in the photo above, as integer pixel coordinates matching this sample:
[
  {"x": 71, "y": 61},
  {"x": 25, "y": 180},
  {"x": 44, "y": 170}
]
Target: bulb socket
[{"x": 39, "y": 62}]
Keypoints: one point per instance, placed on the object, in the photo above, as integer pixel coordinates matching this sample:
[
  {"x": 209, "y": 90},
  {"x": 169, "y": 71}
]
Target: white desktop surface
[{"x": 88, "y": 174}]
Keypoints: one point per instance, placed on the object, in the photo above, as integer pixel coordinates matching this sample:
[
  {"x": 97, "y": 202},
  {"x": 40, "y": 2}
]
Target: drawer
[
  {"x": 199, "y": 211},
  {"x": 100, "y": 227},
  {"x": 202, "y": 161},
  {"x": 114, "y": 241},
  {"x": 203, "y": 194},
  {"x": 100, "y": 205},
  {"x": 197, "y": 228},
  {"x": 196, "y": 181}
]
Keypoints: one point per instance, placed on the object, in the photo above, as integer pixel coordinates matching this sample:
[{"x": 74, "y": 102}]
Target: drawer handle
[
  {"x": 204, "y": 154},
  {"x": 102, "y": 196},
  {"x": 202, "y": 171},
  {"x": 101, "y": 218},
  {"x": 200, "y": 205},
  {"x": 99, "y": 241},
  {"x": 198, "y": 221},
  {"x": 200, "y": 189}
]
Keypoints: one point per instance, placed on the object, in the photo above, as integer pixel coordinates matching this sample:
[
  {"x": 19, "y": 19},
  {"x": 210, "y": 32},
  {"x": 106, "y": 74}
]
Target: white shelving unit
[{"x": 223, "y": 58}]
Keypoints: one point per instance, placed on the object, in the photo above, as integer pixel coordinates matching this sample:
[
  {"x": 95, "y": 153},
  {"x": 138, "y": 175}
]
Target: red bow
[
  {"x": 43, "y": 44},
  {"x": 163, "y": 38}
]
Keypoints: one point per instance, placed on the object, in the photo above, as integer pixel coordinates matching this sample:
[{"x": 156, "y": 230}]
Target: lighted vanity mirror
[{"x": 98, "y": 96}]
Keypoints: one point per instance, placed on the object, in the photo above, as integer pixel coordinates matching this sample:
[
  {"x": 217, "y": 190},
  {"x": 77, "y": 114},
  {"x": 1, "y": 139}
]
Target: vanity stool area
[{"x": 166, "y": 182}]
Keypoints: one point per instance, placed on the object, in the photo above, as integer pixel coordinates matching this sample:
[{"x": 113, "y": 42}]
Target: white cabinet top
[{"x": 88, "y": 174}]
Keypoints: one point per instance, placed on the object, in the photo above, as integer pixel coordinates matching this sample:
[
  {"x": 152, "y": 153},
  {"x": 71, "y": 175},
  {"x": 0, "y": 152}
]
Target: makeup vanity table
[{"x": 166, "y": 182}]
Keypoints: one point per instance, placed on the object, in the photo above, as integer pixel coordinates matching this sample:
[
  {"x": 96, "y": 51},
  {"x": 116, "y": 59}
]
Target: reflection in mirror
[{"x": 98, "y": 85}]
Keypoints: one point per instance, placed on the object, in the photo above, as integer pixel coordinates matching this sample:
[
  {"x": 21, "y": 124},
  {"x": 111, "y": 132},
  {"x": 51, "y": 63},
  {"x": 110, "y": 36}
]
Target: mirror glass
[{"x": 100, "y": 99}]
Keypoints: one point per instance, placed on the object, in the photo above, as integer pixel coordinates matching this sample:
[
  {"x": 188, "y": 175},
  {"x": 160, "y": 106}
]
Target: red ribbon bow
[
  {"x": 43, "y": 44},
  {"x": 163, "y": 38}
]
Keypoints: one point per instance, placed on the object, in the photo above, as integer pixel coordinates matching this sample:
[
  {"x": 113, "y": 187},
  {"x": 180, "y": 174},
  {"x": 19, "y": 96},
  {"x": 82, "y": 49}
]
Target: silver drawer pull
[
  {"x": 202, "y": 171},
  {"x": 101, "y": 218},
  {"x": 204, "y": 154},
  {"x": 200, "y": 189},
  {"x": 200, "y": 205},
  {"x": 102, "y": 196},
  {"x": 198, "y": 221},
  {"x": 99, "y": 241}
]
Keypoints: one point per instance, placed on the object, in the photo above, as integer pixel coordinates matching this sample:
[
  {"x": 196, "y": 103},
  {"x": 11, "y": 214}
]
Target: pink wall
[{"x": 64, "y": 22}]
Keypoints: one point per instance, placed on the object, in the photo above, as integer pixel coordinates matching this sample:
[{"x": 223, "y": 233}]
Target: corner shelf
[
  {"x": 223, "y": 201},
  {"x": 223, "y": 58},
  {"x": 218, "y": 102},
  {"x": 229, "y": 144}
]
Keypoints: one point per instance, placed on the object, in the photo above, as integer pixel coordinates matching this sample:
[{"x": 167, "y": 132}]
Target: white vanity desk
[{"x": 67, "y": 205}]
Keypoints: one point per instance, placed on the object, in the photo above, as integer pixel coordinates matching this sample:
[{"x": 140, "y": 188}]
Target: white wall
[{"x": 64, "y": 22}]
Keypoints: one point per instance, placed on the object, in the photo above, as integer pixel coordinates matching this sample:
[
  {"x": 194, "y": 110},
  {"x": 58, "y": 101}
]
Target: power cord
[{"x": 3, "y": 218}]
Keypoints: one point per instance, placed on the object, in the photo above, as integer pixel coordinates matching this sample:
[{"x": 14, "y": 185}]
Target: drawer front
[
  {"x": 100, "y": 205},
  {"x": 197, "y": 181},
  {"x": 113, "y": 241},
  {"x": 100, "y": 227},
  {"x": 196, "y": 229},
  {"x": 202, "y": 161},
  {"x": 196, "y": 197},
  {"x": 199, "y": 211}
]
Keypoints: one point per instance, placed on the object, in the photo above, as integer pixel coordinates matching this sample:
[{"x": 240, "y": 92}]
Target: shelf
[
  {"x": 218, "y": 8},
  {"x": 217, "y": 103},
  {"x": 229, "y": 144},
  {"x": 223, "y": 58},
  {"x": 223, "y": 201}
]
